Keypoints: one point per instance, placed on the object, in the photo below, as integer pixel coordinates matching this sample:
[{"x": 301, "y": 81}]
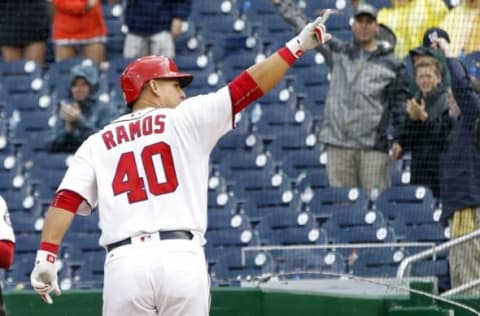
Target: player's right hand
[
  {"x": 311, "y": 36},
  {"x": 44, "y": 276}
]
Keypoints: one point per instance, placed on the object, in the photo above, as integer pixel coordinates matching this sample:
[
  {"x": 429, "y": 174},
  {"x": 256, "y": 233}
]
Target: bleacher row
[{"x": 267, "y": 185}]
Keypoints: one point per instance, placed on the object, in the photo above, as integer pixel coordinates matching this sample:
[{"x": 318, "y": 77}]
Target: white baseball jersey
[
  {"x": 148, "y": 170},
  {"x": 6, "y": 230}
]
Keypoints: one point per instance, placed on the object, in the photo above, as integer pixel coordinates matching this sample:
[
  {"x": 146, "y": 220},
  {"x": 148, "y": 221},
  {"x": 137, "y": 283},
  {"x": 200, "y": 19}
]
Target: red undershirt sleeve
[{"x": 67, "y": 200}]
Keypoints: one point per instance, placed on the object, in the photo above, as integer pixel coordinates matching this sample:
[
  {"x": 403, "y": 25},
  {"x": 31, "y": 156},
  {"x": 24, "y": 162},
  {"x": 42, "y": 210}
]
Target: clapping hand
[{"x": 416, "y": 111}]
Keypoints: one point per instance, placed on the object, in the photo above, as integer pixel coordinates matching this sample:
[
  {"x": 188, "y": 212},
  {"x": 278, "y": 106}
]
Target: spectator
[
  {"x": 79, "y": 27},
  {"x": 368, "y": 85},
  {"x": 429, "y": 49},
  {"x": 7, "y": 244},
  {"x": 427, "y": 125},
  {"x": 409, "y": 19},
  {"x": 463, "y": 25},
  {"x": 82, "y": 114},
  {"x": 24, "y": 27},
  {"x": 460, "y": 174},
  {"x": 153, "y": 26}
]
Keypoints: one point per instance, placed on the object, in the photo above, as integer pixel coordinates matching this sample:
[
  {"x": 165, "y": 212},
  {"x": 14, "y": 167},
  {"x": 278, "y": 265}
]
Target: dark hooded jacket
[{"x": 96, "y": 114}]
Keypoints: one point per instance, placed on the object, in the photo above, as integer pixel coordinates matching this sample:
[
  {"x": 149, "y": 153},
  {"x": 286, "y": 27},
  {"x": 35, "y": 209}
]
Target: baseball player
[
  {"x": 148, "y": 173},
  {"x": 7, "y": 244}
]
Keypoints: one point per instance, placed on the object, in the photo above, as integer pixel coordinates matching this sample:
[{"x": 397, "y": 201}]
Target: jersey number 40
[{"x": 127, "y": 179}]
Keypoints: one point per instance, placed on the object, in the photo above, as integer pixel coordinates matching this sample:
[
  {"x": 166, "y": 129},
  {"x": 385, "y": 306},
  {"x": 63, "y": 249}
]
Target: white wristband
[
  {"x": 294, "y": 47},
  {"x": 45, "y": 256}
]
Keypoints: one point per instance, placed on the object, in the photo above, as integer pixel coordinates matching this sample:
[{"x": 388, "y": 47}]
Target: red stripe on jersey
[
  {"x": 67, "y": 200},
  {"x": 243, "y": 91},
  {"x": 49, "y": 247},
  {"x": 287, "y": 55},
  {"x": 7, "y": 249}
]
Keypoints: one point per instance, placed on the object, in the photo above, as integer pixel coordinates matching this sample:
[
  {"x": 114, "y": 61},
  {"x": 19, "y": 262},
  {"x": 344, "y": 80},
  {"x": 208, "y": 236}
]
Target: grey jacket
[{"x": 364, "y": 94}]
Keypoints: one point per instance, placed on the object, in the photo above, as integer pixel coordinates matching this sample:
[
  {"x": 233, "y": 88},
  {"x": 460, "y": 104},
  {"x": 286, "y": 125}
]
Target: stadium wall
[{"x": 249, "y": 302}]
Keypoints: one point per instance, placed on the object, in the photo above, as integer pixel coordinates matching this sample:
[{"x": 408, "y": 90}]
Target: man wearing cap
[
  {"x": 368, "y": 85},
  {"x": 82, "y": 113}
]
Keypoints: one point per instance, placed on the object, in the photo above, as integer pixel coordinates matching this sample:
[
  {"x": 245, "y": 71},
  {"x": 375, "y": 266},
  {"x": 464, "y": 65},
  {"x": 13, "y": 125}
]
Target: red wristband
[
  {"x": 49, "y": 247},
  {"x": 287, "y": 55}
]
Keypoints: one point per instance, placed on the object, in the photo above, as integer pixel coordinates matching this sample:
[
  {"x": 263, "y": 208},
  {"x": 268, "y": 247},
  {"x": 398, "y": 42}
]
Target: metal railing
[{"x": 404, "y": 267}]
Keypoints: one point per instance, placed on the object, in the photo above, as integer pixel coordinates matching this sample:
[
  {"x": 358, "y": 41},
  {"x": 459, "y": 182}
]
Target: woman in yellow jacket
[
  {"x": 463, "y": 25},
  {"x": 409, "y": 19}
]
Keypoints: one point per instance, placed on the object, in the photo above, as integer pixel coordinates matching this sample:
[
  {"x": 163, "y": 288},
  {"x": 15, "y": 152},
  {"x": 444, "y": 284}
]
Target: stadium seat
[
  {"x": 235, "y": 165},
  {"x": 231, "y": 268},
  {"x": 361, "y": 234},
  {"x": 287, "y": 227},
  {"x": 413, "y": 204},
  {"x": 307, "y": 160},
  {"x": 231, "y": 238},
  {"x": 311, "y": 181},
  {"x": 218, "y": 220},
  {"x": 57, "y": 76},
  {"x": 115, "y": 38},
  {"x": 279, "y": 119},
  {"x": 20, "y": 77},
  {"x": 309, "y": 264},
  {"x": 286, "y": 143},
  {"x": 377, "y": 262},
  {"x": 379, "y": 4},
  {"x": 339, "y": 22},
  {"x": 327, "y": 202},
  {"x": 260, "y": 182}
]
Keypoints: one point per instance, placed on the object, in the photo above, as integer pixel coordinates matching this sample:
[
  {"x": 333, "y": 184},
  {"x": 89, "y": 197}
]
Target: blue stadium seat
[
  {"x": 424, "y": 232},
  {"x": 377, "y": 262},
  {"x": 305, "y": 161},
  {"x": 316, "y": 97},
  {"x": 24, "y": 223},
  {"x": 327, "y": 202},
  {"x": 89, "y": 275},
  {"x": 345, "y": 218},
  {"x": 235, "y": 165},
  {"x": 115, "y": 35},
  {"x": 231, "y": 237},
  {"x": 339, "y": 22},
  {"x": 379, "y": 4},
  {"x": 57, "y": 76},
  {"x": 86, "y": 224},
  {"x": 258, "y": 182},
  {"x": 286, "y": 143},
  {"x": 27, "y": 243},
  {"x": 314, "y": 180},
  {"x": 361, "y": 234},
  {"x": 21, "y": 77},
  {"x": 317, "y": 75},
  {"x": 218, "y": 220},
  {"x": 231, "y": 268},
  {"x": 286, "y": 227},
  {"x": 413, "y": 204},
  {"x": 279, "y": 119},
  {"x": 309, "y": 263}
]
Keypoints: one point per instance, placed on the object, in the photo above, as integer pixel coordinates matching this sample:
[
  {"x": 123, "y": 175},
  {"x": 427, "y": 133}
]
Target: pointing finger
[{"x": 324, "y": 17}]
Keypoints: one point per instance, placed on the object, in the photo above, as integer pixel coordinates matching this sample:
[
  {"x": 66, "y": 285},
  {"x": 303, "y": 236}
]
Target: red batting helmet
[{"x": 144, "y": 69}]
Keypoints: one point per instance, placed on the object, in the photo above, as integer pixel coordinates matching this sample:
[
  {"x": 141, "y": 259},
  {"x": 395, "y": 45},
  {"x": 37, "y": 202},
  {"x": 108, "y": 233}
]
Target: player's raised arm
[{"x": 262, "y": 77}]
